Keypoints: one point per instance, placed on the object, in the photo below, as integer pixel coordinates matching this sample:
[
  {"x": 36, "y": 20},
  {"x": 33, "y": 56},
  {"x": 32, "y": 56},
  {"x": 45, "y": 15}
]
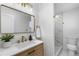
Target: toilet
[{"x": 71, "y": 46}]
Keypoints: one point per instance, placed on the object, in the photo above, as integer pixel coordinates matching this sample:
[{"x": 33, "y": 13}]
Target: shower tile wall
[{"x": 70, "y": 26}]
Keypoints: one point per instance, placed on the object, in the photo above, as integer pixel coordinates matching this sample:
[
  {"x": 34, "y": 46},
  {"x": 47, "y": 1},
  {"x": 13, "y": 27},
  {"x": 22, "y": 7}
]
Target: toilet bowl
[
  {"x": 71, "y": 46},
  {"x": 71, "y": 49}
]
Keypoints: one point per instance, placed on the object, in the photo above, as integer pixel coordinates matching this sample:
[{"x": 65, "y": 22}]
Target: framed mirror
[{"x": 16, "y": 21}]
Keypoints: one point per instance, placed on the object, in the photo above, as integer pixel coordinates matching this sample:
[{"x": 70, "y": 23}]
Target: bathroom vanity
[
  {"x": 33, "y": 48},
  {"x": 34, "y": 51}
]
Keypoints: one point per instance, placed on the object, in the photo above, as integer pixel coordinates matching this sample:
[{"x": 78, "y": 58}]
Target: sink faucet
[{"x": 23, "y": 39}]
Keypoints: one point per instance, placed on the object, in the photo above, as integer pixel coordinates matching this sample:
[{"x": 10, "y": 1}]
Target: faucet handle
[
  {"x": 18, "y": 41},
  {"x": 22, "y": 40},
  {"x": 25, "y": 39}
]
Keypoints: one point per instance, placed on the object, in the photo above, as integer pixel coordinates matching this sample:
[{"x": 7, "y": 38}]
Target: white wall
[
  {"x": 46, "y": 13},
  {"x": 36, "y": 12},
  {"x": 63, "y": 7}
]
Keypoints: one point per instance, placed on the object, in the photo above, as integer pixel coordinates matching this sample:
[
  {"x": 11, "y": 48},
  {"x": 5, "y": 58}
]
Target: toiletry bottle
[{"x": 30, "y": 37}]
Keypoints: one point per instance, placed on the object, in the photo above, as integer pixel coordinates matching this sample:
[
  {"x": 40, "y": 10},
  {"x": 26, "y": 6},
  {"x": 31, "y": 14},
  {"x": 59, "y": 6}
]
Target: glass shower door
[{"x": 58, "y": 34}]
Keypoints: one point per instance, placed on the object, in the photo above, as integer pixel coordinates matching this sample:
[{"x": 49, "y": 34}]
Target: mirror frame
[{"x": 22, "y": 12}]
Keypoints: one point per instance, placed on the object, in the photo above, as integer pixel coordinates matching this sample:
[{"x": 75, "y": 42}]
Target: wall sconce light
[{"x": 26, "y": 5}]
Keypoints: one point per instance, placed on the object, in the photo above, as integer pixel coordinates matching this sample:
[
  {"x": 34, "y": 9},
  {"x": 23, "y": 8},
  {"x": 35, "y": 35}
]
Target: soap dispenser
[{"x": 30, "y": 38}]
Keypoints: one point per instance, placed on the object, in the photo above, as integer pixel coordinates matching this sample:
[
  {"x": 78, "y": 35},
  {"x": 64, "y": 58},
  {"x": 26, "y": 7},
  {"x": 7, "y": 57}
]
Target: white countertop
[{"x": 17, "y": 48}]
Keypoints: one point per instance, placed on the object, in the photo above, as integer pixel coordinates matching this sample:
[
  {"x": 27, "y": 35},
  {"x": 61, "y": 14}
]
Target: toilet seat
[{"x": 71, "y": 47}]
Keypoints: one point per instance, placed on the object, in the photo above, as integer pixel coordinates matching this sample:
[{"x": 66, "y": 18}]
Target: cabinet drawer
[{"x": 35, "y": 51}]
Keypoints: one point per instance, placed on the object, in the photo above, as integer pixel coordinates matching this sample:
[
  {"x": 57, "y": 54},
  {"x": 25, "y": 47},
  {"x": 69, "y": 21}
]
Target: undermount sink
[{"x": 25, "y": 44}]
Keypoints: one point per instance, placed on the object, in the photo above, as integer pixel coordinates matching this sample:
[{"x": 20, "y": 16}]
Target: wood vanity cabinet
[{"x": 35, "y": 51}]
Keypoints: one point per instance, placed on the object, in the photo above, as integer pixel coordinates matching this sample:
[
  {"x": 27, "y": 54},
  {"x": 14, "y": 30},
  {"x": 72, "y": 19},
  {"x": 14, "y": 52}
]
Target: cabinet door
[{"x": 37, "y": 52}]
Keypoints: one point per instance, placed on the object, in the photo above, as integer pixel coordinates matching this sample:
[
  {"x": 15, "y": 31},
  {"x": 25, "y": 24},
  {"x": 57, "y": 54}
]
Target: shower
[{"x": 58, "y": 34}]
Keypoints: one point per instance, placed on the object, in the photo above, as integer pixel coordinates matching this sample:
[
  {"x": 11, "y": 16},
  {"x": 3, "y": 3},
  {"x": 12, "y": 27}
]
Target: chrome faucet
[{"x": 23, "y": 39}]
